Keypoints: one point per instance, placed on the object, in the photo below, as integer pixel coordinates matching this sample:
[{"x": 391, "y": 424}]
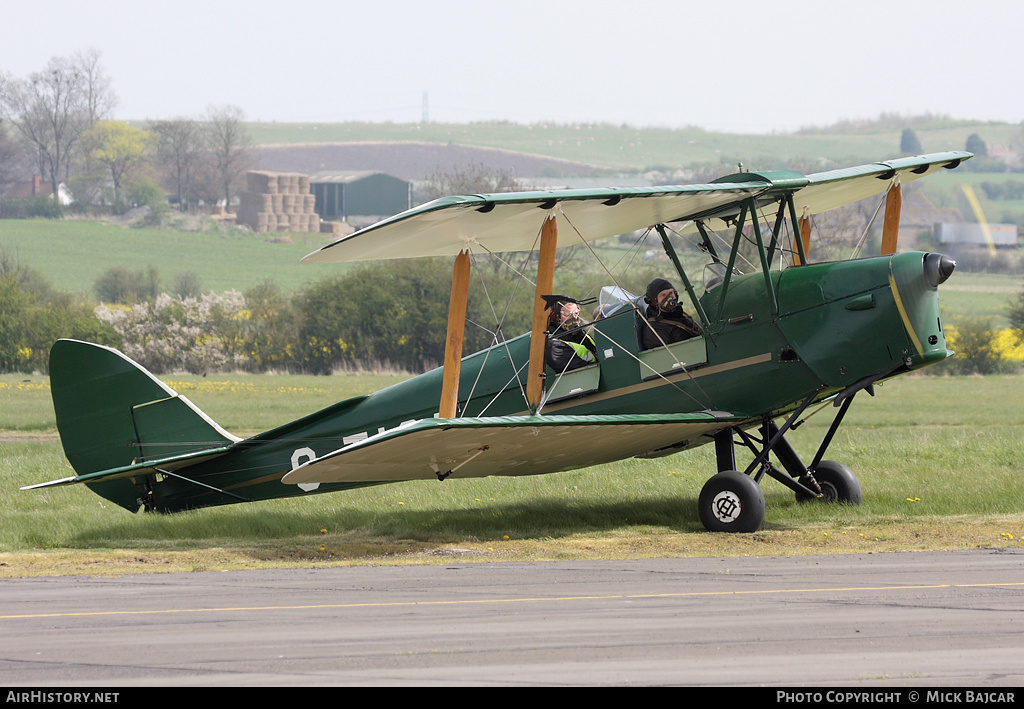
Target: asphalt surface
[{"x": 924, "y": 619}]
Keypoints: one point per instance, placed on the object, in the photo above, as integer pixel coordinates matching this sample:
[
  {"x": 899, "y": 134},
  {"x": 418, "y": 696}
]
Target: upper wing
[
  {"x": 512, "y": 221},
  {"x": 835, "y": 188},
  {"x": 511, "y": 445}
]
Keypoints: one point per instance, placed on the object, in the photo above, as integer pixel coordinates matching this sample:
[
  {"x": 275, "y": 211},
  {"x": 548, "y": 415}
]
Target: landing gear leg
[
  {"x": 835, "y": 481},
  {"x": 730, "y": 501},
  {"x": 823, "y": 479}
]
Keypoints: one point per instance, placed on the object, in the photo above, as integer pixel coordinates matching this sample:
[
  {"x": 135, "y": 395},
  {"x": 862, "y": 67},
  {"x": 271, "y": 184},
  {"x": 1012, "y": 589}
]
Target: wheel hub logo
[{"x": 726, "y": 506}]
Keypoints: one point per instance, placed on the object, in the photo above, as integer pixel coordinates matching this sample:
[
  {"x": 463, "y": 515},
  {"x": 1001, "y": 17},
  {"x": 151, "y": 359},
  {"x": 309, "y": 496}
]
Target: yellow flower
[{"x": 1006, "y": 345}]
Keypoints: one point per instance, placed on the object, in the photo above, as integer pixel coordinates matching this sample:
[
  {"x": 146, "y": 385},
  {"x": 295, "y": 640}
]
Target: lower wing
[{"x": 513, "y": 445}]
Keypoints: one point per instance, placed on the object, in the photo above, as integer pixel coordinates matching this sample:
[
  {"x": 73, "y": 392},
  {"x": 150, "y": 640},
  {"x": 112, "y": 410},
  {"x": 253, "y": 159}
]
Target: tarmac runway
[{"x": 926, "y": 619}]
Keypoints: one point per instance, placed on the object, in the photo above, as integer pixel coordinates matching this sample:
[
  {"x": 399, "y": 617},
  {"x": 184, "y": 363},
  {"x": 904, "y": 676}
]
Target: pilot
[
  {"x": 569, "y": 345},
  {"x": 665, "y": 320}
]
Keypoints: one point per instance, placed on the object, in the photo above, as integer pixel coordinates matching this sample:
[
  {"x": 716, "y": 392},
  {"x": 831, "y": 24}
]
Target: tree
[
  {"x": 179, "y": 150},
  {"x": 1016, "y": 315},
  {"x": 118, "y": 148},
  {"x": 469, "y": 179},
  {"x": 972, "y": 340},
  {"x": 48, "y": 111},
  {"x": 909, "y": 144},
  {"x": 976, "y": 145},
  {"x": 100, "y": 99},
  {"x": 120, "y": 284},
  {"x": 271, "y": 329},
  {"x": 230, "y": 147},
  {"x": 11, "y": 160},
  {"x": 52, "y": 108},
  {"x": 33, "y": 316}
]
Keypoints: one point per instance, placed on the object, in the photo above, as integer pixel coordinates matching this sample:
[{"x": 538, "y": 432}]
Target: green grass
[
  {"x": 72, "y": 254},
  {"x": 984, "y": 295},
  {"x": 938, "y": 459}
]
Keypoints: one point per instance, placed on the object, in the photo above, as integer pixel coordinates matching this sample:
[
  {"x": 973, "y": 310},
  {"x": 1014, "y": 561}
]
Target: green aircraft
[{"x": 773, "y": 342}]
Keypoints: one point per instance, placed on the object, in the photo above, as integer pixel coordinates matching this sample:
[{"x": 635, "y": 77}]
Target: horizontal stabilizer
[
  {"x": 150, "y": 467},
  {"x": 511, "y": 445}
]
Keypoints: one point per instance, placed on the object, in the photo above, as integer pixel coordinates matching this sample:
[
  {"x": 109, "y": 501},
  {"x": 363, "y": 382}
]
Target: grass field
[
  {"x": 73, "y": 254},
  {"x": 938, "y": 459},
  {"x": 624, "y": 147}
]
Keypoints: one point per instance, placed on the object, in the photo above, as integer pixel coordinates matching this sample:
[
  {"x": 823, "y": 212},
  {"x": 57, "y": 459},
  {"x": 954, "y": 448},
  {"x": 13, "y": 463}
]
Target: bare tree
[
  {"x": 11, "y": 159},
  {"x": 47, "y": 111},
  {"x": 50, "y": 109},
  {"x": 179, "y": 151},
  {"x": 100, "y": 99},
  {"x": 230, "y": 146},
  {"x": 469, "y": 179}
]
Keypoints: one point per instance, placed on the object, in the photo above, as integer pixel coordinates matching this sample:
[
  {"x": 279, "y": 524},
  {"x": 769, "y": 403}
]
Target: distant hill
[
  {"x": 413, "y": 151},
  {"x": 411, "y": 160}
]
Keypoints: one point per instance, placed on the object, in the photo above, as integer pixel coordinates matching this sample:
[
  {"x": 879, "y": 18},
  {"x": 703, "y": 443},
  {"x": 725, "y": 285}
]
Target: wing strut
[
  {"x": 670, "y": 250},
  {"x": 456, "y": 332},
  {"x": 891, "y": 222},
  {"x": 545, "y": 283},
  {"x": 803, "y": 242}
]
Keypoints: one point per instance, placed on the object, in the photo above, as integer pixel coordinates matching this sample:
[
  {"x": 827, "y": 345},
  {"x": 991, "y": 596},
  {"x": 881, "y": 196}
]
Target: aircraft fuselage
[{"x": 822, "y": 328}]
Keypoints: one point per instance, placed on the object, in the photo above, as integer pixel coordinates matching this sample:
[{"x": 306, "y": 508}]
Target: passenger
[
  {"x": 666, "y": 322},
  {"x": 569, "y": 344},
  {"x": 601, "y": 311}
]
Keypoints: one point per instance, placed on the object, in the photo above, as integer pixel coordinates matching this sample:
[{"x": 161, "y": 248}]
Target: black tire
[
  {"x": 731, "y": 502},
  {"x": 838, "y": 484}
]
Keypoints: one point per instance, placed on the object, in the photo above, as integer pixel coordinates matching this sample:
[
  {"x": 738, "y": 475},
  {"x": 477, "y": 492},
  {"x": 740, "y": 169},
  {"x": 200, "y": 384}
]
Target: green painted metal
[{"x": 795, "y": 226}]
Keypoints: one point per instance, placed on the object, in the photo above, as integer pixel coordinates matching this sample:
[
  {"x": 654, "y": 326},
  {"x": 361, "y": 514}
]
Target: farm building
[
  {"x": 341, "y": 194},
  {"x": 968, "y": 233}
]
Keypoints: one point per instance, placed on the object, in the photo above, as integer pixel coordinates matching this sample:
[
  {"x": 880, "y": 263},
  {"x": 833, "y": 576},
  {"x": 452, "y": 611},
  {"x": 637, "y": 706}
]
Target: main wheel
[
  {"x": 731, "y": 502},
  {"x": 837, "y": 482}
]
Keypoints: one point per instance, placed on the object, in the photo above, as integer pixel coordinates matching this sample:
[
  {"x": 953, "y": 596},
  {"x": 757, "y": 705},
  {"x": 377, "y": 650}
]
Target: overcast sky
[{"x": 738, "y": 65}]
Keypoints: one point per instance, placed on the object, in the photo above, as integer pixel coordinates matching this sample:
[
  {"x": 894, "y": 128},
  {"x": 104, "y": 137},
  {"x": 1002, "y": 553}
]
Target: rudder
[{"x": 111, "y": 413}]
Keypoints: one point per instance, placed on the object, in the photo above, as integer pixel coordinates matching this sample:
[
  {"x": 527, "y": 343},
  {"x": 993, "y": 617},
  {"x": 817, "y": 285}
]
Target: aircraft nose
[{"x": 938, "y": 268}]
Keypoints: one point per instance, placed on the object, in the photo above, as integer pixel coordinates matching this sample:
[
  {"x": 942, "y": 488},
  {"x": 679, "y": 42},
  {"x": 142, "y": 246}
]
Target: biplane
[{"x": 784, "y": 336}]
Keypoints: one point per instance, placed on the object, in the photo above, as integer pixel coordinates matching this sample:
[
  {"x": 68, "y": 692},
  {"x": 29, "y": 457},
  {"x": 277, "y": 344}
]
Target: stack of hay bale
[{"x": 278, "y": 201}]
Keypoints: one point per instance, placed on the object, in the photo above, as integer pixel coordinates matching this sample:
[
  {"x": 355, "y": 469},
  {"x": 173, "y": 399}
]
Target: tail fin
[{"x": 112, "y": 413}]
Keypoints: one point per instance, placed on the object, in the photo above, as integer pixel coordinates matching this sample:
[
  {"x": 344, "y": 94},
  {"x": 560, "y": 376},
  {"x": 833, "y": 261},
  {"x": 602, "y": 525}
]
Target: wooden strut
[
  {"x": 891, "y": 224},
  {"x": 538, "y": 338},
  {"x": 454, "y": 341},
  {"x": 805, "y": 239}
]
